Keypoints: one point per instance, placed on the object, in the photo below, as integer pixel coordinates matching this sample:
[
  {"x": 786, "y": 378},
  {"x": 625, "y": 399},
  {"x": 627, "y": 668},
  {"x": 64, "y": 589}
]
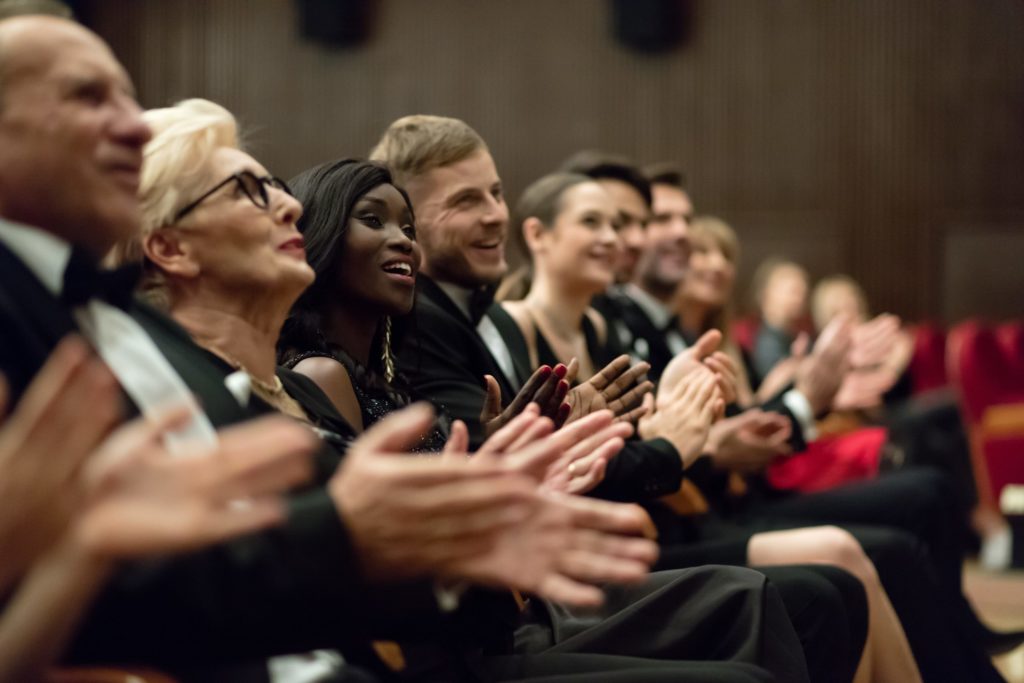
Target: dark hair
[
  {"x": 541, "y": 200},
  {"x": 665, "y": 173},
  {"x": 328, "y": 193},
  {"x": 602, "y": 165}
]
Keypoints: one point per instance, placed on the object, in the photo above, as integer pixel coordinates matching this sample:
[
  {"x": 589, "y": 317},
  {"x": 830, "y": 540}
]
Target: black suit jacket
[
  {"x": 290, "y": 589},
  {"x": 445, "y": 360}
]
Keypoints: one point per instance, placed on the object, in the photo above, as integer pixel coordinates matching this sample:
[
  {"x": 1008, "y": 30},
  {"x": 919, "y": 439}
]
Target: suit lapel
[
  {"x": 32, "y": 321},
  {"x": 433, "y": 293}
]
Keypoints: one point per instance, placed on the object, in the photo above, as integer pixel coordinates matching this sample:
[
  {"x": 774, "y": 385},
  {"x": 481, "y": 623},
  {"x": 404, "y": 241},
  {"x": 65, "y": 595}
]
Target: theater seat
[
  {"x": 928, "y": 362},
  {"x": 106, "y": 675},
  {"x": 987, "y": 370}
]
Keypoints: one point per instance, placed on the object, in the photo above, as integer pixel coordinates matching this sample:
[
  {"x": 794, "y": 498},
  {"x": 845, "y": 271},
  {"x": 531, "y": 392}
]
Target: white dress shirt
[{"x": 143, "y": 372}]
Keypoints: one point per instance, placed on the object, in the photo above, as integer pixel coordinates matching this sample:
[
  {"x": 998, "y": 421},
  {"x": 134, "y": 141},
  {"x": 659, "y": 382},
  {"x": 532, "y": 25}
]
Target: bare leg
[{"x": 887, "y": 656}]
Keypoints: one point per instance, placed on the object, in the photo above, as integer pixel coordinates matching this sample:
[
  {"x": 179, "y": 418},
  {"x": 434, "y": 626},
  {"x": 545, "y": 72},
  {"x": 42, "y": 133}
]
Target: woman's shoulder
[{"x": 333, "y": 379}]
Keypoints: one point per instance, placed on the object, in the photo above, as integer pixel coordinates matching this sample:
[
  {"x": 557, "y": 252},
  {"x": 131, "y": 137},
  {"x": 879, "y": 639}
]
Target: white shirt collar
[
  {"x": 460, "y": 295},
  {"x": 655, "y": 310},
  {"x": 44, "y": 254}
]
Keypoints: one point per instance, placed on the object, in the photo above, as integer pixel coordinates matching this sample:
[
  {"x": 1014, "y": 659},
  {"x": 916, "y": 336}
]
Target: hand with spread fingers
[
  {"x": 44, "y": 443},
  {"x": 749, "y": 442},
  {"x": 616, "y": 387},
  {"x": 546, "y": 388},
  {"x": 682, "y": 414},
  {"x": 139, "y": 500},
  {"x": 564, "y": 548},
  {"x": 571, "y": 460},
  {"x": 820, "y": 374},
  {"x": 409, "y": 516}
]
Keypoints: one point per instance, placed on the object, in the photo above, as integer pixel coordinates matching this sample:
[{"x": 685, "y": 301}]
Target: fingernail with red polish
[
  {"x": 560, "y": 370},
  {"x": 563, "y": 386}
]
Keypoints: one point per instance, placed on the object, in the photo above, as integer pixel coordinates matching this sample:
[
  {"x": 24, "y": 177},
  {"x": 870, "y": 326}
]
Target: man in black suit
[{"x": 71, "y": 140}]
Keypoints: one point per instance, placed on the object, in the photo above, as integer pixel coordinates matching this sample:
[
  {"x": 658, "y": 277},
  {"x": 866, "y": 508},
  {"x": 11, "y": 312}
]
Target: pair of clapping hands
[
  {"x": 695, "y": 388},
  {"x": 850, "y": 367}
]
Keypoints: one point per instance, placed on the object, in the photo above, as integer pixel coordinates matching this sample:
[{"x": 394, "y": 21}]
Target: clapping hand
[
  {"x": 616, "y": 387},
  {"x": 748, "y": 442},
  {"x": 546, "y": 388},
  {"x": 683, "y": 413}
]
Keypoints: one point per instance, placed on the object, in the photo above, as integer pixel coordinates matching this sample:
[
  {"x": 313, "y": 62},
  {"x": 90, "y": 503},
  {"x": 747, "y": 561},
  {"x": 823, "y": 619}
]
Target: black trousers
[{"x": 703, "y": 624}]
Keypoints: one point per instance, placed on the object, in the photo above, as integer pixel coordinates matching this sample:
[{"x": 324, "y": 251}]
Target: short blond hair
[
  {"x": 415, "y": 144},
  {"x": 174, "y": 167}
]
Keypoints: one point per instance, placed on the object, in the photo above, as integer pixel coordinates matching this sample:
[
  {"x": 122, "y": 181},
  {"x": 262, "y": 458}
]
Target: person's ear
[
  {"x": 534, "y": 233},
  {"x": 169, "y": 252}
]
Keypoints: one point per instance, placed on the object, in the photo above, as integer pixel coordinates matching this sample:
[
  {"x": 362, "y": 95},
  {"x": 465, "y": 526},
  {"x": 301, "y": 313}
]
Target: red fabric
[
  {"x": 830, "y": 461},
  {"x": 987, "y": 367},
  {"x": 928, "y": 362}
]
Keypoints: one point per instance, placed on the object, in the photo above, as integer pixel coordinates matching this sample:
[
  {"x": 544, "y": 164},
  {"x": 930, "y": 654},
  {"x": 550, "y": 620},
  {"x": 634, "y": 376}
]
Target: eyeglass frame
[{"x": 262, "y": 181}]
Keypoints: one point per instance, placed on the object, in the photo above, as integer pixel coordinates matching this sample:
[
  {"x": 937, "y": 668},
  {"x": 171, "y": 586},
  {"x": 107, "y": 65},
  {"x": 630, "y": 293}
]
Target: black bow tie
[
  {"x": 83, "y": 281},
  {"x": 479, "y": 301}
]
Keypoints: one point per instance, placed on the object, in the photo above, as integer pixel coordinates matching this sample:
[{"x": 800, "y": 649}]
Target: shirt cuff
[
  {"x": 448, "y": 596},
  {"x": 802, "y": 411}
]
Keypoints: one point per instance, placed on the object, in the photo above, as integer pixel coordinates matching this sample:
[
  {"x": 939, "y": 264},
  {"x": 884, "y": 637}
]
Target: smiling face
[
  {"x": 381, "y": 257},
  {"x": 580, "y": 250},
  {"x": 712, "y": 272},
  {"x": 463, "y": 221},
  {"x": 231, "y": 245},
  {"x": 667, "y": 252},
  {"x": 71, "y": 134}
]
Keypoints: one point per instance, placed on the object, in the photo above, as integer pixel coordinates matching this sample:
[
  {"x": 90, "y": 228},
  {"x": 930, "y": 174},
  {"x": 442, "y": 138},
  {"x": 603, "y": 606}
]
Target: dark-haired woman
[{"x": 360, "y": 240}]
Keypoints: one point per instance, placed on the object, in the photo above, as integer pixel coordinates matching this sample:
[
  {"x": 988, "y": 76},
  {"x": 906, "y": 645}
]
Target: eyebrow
[{"x": 373, "y": 200}]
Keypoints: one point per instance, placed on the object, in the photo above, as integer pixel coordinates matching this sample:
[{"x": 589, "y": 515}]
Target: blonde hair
[
  {"x": 415, "y": 144},
  {"x": 174, "y": 167}
]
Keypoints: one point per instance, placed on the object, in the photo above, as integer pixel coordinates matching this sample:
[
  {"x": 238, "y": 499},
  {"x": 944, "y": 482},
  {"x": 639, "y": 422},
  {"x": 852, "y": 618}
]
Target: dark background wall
[{"x": 877, "y": 137}]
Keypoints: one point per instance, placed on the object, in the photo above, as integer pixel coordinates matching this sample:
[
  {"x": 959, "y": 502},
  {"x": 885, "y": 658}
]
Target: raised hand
[
  {"x": 748, "y": 442},
  {"x": 616, "y": 387},
  {"x": 43, "y": 445},
  {"x": 547, "y": 388},
  {"x": 820, "y": 374},
  {"x": 563, "y": 548},
  {"x": 872, "y": 342},
  {"x": 409, "y": 516},
  {"x": 704, "y": 354},
  {"x": 139, "y": 500},
  {"x": 683, "y": 414},
  {"x": 571, "y": 460}
]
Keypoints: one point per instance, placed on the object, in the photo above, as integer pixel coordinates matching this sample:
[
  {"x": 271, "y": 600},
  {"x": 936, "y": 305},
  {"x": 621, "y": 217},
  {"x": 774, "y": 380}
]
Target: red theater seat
[
  {"x": 928, "y": 362},
  {"x": 987, "y": 369}
]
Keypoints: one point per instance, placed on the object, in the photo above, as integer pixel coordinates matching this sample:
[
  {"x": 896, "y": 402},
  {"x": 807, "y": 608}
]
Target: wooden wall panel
[{"x": 852, "y": 134}]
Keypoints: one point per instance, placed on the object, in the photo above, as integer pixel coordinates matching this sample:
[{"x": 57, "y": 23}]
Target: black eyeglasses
[{"x": 254, "y": 187}]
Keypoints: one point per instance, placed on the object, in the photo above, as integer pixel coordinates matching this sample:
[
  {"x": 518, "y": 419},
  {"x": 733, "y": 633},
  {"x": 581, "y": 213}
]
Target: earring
[{"x": 386, "y": 359}]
